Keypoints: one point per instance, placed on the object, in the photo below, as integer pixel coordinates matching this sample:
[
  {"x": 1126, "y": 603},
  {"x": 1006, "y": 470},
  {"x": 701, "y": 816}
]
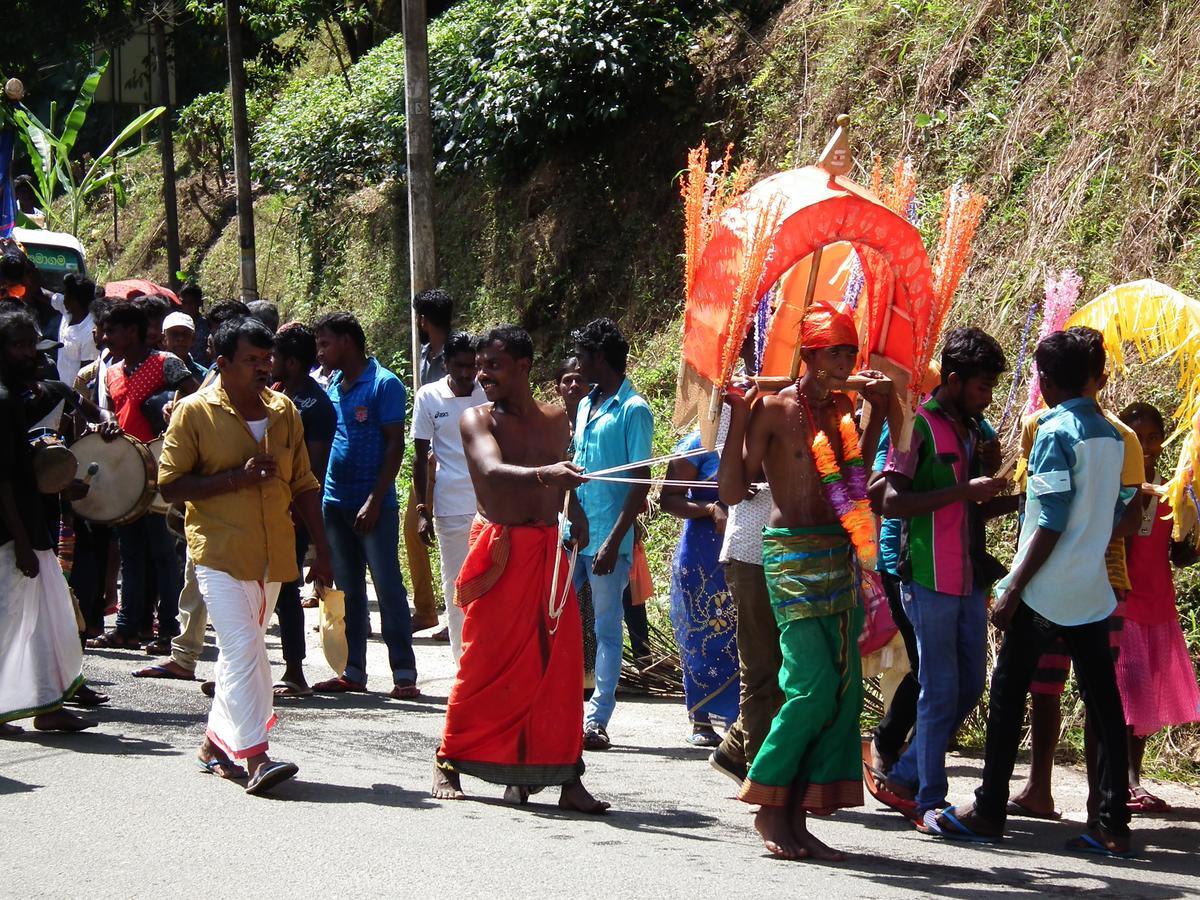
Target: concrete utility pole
[
  {"x": 419, "y": 130},
  {"x": 166, "y": 145},
  {"x": 241, "y": 149}
]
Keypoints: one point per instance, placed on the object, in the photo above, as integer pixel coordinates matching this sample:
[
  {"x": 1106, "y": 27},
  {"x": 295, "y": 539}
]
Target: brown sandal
[{"x": 114, "y": 640}]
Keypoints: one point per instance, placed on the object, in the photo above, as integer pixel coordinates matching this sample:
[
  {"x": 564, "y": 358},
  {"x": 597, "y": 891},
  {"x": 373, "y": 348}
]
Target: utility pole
[
  {"x": 241, "y": 149},
  {"x": 166, "y": 144},
  {"x": 419, "y": 131}
]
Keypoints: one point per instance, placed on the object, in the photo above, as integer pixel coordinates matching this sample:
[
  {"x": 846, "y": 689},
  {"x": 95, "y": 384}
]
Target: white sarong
[
  {"x": 40, "y": 656},
  {"x": 242, "y": 709}
]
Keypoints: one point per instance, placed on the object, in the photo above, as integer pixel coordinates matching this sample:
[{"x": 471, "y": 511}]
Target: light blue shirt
[
  {"x": 620, "y": 432},
  {"x": 889, "y": 529},
  {"x": 1074, "y": 488}
]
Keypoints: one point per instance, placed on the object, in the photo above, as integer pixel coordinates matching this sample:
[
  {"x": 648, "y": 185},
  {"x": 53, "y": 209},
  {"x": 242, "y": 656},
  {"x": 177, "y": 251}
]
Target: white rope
[
  {"x": 558, "y": 604},
  {"x": 643, "y": 463}
]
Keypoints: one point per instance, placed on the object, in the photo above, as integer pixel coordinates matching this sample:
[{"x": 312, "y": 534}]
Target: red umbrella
[{"x": 137, "y": 287}]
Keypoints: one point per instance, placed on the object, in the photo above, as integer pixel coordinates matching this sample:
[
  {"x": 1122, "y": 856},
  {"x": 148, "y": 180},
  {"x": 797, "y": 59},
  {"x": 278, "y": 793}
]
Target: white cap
[{"x": 179, "y": 320}]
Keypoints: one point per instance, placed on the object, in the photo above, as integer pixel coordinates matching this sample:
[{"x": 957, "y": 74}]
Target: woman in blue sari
[{"x": 703, "y": 615}]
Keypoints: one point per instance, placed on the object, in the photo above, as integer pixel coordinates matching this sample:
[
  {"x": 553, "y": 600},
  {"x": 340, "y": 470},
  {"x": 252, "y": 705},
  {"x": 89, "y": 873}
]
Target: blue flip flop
[
  {"x": 1085, "y": 843},
  {"x": 960, "y": 832},
  {"x": 211, "y": 765}
]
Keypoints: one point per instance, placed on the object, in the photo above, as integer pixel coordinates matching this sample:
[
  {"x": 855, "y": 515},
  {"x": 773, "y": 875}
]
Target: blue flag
[{"x": 8, "y": 204}]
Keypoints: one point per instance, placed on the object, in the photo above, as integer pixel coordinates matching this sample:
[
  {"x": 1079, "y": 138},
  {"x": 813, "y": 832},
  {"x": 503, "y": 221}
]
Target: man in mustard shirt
[{"x": 235, "y": 453}]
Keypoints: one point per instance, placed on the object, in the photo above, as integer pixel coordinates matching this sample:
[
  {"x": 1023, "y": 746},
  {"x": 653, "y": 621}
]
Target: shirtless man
[
  {"x": 514, "y": 717},
  {"x": 810, "y": 761}
]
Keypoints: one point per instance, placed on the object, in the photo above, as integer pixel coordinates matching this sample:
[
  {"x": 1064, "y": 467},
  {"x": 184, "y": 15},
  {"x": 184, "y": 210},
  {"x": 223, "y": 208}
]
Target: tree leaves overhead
[{"x": 508, "y": 79}]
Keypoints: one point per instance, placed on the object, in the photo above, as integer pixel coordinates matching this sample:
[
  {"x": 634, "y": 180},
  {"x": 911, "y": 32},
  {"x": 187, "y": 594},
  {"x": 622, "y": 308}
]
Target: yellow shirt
[
  {"x": 247, "y": 532},
  {"x": 1133, "y": 473}
]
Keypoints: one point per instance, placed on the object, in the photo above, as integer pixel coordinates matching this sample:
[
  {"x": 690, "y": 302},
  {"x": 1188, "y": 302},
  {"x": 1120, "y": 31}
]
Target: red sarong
[{"x": 515, "y": 714}]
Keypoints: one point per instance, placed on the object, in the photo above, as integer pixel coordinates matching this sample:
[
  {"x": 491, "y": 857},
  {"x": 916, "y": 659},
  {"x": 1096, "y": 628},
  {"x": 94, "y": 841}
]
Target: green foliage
[
  {"x": 50, "y": 154},
  {"x": 324, "y": 135},
  {"x": 507, "y": 78}
]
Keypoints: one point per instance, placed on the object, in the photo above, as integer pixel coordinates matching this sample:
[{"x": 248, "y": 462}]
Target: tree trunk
[
  {"x": 241, "y": 150},
  {"x": 419, "y": 129},
  {"x": 166, "y": 145}
]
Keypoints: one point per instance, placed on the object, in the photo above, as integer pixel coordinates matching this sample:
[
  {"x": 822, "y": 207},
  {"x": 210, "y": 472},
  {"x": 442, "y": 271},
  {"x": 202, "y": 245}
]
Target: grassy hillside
[{"x": 1078, "y": 120}]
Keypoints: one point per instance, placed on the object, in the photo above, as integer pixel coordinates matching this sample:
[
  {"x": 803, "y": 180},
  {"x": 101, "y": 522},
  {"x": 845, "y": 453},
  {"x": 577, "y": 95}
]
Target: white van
[{"x": 55, "y": 253}]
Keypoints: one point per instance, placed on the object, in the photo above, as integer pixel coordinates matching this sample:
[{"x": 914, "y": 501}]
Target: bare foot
[
  {"x": 900, "y": 789},
  {"x": 773, "y": 824},
  {"x": 1035, "y": 803},
  {"x": 576, "y": 797},
  {"x": 7, "y": 729},
  {"x": 446, "y": 784},
  {"x": 811, "y": 847},
  {"x": 818, "y": 849},
  {"x": 516, "y": 794},
  {"x": 61, "y": 720}
]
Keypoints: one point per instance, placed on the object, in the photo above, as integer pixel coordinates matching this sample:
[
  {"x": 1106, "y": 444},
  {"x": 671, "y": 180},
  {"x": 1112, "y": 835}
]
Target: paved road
[{"x": 121, "y": 812}]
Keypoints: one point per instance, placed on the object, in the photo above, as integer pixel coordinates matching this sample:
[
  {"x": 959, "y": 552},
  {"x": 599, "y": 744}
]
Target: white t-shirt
[
  {"x": 258, "y": 428},
  {"x": 77, "y": 347},
  {"x": 744, "y": 529},
  {"x": 436, "y": 415}
]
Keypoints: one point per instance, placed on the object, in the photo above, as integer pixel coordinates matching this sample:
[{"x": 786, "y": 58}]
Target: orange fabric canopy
[{"x": 816, "y": 210}]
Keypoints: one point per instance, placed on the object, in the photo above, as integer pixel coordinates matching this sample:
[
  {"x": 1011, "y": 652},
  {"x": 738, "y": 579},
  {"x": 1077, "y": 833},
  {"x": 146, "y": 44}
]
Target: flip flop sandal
[
  {"x": 270, "y": 775},
  {"x": 1022, "y": 811},
  {"x": 405, "y": 692},
  {"x": 157, "y": 671},
  {"x": 86, "y": 698},
  {"x": 339, "y": 685},
  {"x": 596, "y": 738},
  {"x": 1085, "y": 843},
  {"x": 208, "y": 688},
  {"x": 1142, "y": 801},
  {"x": 114, "y": 640},
  {"x": 237, "y": 773},
  {"x": 290, "y": 689},
  {"x": 704, "y": 739},
  {"x": 959, "y": 832}
]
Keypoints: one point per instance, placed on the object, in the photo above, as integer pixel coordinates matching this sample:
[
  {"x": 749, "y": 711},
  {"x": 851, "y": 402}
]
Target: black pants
[
  {"x": 1027, "y": 638},
  {"x": 289, "y": 610},
  {"x": 89, "y": 570},
  {"x": 901, "y": 716},
  {"x": 637, "y": 624}
]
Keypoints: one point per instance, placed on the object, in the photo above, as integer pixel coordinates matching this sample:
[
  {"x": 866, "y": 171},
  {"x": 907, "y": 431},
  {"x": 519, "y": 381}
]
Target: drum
[
  {"x": 54, "y": 466},
  {"x": 122, "y": 483},
  {"x": 157, "y": 503}
]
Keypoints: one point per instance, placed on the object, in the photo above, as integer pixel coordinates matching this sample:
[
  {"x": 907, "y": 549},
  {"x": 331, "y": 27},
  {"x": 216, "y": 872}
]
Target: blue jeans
[
  {"x": 951, "y": 645},
  {"x": 352, "y": 554},
  {"x": 147, "y": 544},
  {"x": 607, "y": 591}
]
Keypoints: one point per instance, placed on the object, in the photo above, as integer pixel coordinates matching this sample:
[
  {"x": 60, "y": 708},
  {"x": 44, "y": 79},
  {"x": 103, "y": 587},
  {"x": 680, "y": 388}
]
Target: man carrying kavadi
[
  {"x": 514, "y": 716},
  {"x": 806, "y": 441}
]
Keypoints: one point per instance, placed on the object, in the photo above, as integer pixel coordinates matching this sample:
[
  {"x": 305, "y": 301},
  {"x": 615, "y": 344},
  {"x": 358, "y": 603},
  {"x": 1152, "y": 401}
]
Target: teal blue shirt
[{"x": 620, "y": 432}]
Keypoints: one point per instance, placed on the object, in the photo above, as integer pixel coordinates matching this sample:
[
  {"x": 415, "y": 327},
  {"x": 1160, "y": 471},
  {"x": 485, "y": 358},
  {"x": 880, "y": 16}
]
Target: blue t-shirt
[
  {"x": 889, "y": 529},
  {"x": 619, "y": 433},
  {"x": 375, "y": 399}
]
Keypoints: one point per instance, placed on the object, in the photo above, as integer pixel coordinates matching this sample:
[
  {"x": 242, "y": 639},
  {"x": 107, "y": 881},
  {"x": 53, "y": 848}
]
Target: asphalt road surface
[{"x": 122, "y": 811}]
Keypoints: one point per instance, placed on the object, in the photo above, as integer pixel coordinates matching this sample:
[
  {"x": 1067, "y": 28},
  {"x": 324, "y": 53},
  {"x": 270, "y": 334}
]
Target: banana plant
[{"x": 50, "y": 154}]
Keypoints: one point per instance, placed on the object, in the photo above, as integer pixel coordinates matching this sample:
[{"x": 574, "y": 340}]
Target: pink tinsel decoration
[{"x": 1061, "y": 294}]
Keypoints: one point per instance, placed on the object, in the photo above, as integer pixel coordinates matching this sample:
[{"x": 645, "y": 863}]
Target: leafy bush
[
  {"x": 326, "y": 135},
  {"x": 506, "y": 79}
]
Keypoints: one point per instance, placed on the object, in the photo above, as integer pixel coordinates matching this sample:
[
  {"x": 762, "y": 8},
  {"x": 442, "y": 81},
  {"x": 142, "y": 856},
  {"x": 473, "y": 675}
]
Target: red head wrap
[{"x": 824, "y": 326}]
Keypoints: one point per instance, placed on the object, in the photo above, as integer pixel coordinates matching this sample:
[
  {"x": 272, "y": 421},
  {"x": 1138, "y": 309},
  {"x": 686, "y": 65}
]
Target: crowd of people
[{"x": 283, "y": 444}]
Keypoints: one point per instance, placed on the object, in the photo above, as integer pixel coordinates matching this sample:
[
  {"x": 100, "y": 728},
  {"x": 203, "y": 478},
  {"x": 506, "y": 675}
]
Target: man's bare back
[
  {"x": 539, "y": 438},
  {"x": 781, "y": 422}
]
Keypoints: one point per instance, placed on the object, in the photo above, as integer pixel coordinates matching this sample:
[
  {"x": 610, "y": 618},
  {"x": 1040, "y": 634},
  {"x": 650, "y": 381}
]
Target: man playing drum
[
  {"x": 142, "y": 372},
  {"x": 235, "y": 454}
]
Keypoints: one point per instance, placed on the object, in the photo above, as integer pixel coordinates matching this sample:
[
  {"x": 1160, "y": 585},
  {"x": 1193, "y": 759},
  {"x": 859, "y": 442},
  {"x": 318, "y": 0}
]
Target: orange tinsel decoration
[
  {"x": 707, "y": 193},
  {"x": 961, "y": 211}
]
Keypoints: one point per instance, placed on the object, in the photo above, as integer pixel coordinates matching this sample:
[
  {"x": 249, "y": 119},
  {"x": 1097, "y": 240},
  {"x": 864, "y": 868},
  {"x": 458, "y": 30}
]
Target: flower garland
[{"x": 846, "y": 487}]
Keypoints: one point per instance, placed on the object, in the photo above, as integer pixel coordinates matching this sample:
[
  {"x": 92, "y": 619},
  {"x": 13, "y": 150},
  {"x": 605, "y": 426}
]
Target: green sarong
[{"x": 814, "y": 745}]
